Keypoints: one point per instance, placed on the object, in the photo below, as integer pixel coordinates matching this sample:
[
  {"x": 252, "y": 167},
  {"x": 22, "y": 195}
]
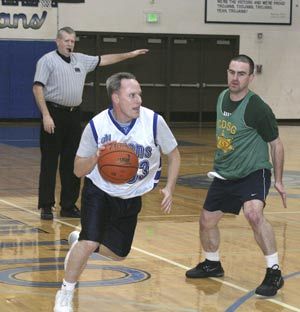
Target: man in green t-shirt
[{"x": 245, "y": 128}]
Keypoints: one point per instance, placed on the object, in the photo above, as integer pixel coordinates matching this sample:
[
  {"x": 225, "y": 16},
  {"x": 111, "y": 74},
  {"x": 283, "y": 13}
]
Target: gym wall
[{"x": 275, "y": 47}]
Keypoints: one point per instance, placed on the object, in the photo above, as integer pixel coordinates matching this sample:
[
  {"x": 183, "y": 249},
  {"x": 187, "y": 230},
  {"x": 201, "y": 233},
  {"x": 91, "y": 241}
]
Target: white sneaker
[
  {"x": 63, "y": 301},
  {"x": 73, "y": 237},
  {"x": 72, "y": 240}
]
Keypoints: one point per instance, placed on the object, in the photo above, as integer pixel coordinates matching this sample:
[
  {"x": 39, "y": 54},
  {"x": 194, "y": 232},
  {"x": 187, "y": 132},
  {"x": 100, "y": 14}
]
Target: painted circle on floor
[{"x": 129, "y": 276}]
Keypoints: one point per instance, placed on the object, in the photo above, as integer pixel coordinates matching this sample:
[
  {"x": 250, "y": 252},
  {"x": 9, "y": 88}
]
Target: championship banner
[{"x": 270, "y": 12}]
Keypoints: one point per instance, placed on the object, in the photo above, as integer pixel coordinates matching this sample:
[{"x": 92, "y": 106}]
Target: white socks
[
  {"x": 68, "y": 286},
  {"x": 212, "y": 256},
  {"x": 272, "y": 260}
]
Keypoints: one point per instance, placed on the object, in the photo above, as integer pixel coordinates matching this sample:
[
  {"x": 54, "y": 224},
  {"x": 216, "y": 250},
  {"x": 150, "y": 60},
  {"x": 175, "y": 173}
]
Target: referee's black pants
[{"x": 59, "y": 147}]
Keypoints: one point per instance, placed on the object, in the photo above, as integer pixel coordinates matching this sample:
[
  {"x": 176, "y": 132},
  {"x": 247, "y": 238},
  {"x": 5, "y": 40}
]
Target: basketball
[{"x": 118, "y": 163}]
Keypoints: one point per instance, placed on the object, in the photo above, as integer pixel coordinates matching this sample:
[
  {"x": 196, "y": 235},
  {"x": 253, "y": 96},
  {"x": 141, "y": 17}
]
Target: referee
[{"x": 58, "y": 87}]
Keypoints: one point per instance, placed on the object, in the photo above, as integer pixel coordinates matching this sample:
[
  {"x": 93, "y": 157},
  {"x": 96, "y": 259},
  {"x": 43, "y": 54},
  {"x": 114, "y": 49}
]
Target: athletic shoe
[
  {"x": 73, "y": 237},
  {"x": 271, "y": 283},
  {"x": 72, "y": 240},
  {"x": 74, "y": 212},
  {"x": 63, "y": 301},
  {"x": 206, "y": 269}
]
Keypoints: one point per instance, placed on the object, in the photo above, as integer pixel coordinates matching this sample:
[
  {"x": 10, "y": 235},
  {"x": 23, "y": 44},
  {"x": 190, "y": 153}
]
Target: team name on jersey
[{"x": 140, "y": 150}]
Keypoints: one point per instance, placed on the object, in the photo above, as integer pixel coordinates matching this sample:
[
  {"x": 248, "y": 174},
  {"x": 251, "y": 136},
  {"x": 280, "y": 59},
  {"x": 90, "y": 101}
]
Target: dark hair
[
  {"x": 113, "y": 83},
  {"x": 68, "y": 30},
  {"x": 245, "y": 59}
]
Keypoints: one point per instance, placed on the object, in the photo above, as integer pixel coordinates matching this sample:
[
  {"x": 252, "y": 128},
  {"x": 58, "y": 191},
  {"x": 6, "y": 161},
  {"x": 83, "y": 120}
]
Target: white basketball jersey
[{"x": 141, "y": 137}]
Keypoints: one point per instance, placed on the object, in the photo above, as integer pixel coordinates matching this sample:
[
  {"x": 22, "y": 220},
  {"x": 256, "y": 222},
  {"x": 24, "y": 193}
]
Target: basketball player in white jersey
[{"x": 109, "y": 211}]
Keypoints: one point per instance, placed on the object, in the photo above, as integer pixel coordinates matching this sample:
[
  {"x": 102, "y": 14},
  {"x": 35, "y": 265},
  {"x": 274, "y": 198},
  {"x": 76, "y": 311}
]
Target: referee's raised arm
[{"x": 108, "y": 59}]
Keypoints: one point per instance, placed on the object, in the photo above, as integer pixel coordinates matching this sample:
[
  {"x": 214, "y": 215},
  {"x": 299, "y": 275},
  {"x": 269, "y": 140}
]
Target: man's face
[
  {"x": 65, "y": 43},
  {"x": 238, "y": 77},
  {"x": 127, "y": 101}
]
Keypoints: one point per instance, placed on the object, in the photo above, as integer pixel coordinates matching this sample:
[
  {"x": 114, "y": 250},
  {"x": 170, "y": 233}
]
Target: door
[
  {"x": 111, "y": 44},
  {"x": 181, "y": 75},
  {"x": 185, "y": 72},
  {"x": 151, "y": 71},
  {"x": 87, "y": 44},
  {"x": 216, "y": 54}
]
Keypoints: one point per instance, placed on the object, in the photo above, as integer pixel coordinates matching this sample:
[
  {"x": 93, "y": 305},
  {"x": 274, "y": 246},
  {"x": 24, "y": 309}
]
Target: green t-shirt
[
  {"x": 241, "y": 150},
  {"x": 258, "y": 115}
]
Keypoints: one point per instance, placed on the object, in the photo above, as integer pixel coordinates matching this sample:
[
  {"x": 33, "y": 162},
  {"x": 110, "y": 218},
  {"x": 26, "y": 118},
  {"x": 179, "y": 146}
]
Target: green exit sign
[{"x": 152, "y": 17}]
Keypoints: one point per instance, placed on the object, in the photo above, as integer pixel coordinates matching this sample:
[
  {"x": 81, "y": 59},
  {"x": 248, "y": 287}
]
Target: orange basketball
[{"x": 118, "y": 163}]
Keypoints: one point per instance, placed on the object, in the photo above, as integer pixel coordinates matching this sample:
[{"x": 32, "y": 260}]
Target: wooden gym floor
[{"x": 152, "y": 278}]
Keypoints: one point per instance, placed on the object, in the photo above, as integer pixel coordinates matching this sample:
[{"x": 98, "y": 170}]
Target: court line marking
[
  {"x": 36, "y": 213},
  {"x": 282, "y": 212},
  {"x": 292, "y": 308},
  {"x": 197, "y": 215},
  {"x": 87, "y": 298}
]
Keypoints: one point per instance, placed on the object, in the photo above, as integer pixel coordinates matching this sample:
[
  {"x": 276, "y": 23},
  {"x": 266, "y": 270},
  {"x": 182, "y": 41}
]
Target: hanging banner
[
  {"x": 28, "y": 20},
  {"x": 271, "y": 12}
]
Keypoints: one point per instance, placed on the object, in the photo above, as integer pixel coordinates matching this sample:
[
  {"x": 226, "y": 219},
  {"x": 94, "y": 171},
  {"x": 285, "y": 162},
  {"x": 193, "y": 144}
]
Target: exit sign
[{"x": 152, "y": 17}]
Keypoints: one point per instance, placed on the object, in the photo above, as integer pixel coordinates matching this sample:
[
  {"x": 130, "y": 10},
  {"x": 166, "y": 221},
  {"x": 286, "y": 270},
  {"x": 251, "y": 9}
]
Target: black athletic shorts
[
  {"x": 230, "y": 195},
  {"x": 111, "y": 221}
]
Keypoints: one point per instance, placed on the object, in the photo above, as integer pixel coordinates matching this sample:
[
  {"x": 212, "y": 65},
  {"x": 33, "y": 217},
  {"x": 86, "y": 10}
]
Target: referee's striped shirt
[{"x": 64, "y": 82}]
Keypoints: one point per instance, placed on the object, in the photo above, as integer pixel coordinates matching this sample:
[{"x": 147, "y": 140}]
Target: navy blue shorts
[
  {"x": 111, "y": 221},
  {"x": 229, "y": 195}
]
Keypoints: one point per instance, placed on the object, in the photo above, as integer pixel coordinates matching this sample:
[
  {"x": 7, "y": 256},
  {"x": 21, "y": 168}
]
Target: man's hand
[
  {"x": 280, "y": 189},
  {"x": 138, "y": 52},
  {"x": 49, "y": 125},
  {"x": 166, "y": 204}
]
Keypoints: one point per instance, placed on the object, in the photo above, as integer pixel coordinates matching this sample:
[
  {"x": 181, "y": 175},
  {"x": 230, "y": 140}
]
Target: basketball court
[{"x": 152, "y": 278}]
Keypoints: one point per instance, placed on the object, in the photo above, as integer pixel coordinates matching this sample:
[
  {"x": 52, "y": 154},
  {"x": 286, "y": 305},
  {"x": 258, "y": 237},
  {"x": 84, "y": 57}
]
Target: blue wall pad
[{"x": 17, "y": 66}]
